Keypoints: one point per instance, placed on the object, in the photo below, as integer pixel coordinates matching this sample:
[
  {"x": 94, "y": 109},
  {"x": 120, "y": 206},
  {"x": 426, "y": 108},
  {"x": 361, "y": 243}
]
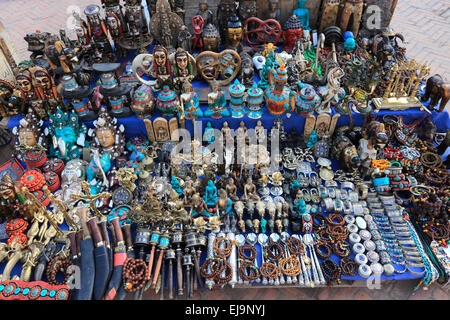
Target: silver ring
[
  {"x": 388, "y": 269},
  {"x": 360, "y": 222},
  {"x": 358, "y": 248},
  {"x": 373, "y": 256},
  {"x": 348, "y": 208},
  {"x": 354, "y": 238},
  {"x": 370, "y": 245},
  {"x": 338, "y": 205},
  {"x": 364, "y": 271},
  {"x": 352, "y": 228},
  {"x": 365, "y": 235},
  {"x": 349, "y": 219},
  {"x": 358, "y": 209},
  {"x": 377, "y": 268},
  {"x": 360, "y": 258},
  {"x": 329, "y": 204}
]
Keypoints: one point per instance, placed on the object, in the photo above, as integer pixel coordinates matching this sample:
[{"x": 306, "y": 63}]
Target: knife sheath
[
  {"x": 101, "y": 260},
  {"x": 87, "y": 260},
  {"x": 120, "y": 255},
  {"x": 105, "y": 235}
]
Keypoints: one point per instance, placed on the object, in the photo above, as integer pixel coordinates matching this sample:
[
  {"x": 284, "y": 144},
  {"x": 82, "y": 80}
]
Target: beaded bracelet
[
  {"x": 323, "y": 250},
  {"x": 242, "y": 252},
  {"x": 335, "y": 219},
  {"x": 431, "y": 160},
  {"x": 222, "y": 252},
  {"x": 349, "y": 267},
  {"x": 134, "y": 274}
]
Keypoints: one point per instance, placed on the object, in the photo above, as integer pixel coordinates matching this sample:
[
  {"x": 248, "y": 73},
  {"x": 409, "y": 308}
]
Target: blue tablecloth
[{"x": 135, "y": 126}]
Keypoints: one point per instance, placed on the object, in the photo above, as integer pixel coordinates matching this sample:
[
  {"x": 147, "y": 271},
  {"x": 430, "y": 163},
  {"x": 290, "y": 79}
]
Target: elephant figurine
[{"x": 437, "y": 89}]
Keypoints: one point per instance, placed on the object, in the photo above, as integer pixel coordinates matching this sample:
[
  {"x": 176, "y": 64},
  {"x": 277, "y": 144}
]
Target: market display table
[{"x": 135, "y": 126}]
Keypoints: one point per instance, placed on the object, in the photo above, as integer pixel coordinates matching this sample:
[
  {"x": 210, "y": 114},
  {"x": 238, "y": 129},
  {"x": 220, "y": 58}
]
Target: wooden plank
[
  {"x": 191, "y": 8},
  {"x": 314, "y": 9},
  {"x": 286, "y": 7},
  {"x": 261, "y": 7},
  {"x": 8, "y": 55}
]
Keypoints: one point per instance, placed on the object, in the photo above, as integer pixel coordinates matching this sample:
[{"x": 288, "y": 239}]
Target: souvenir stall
[{"x": 222, "y": 143}]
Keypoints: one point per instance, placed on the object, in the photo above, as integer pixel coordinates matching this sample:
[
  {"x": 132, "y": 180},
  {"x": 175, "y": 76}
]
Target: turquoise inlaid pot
[{"x": 167, "y": 102}]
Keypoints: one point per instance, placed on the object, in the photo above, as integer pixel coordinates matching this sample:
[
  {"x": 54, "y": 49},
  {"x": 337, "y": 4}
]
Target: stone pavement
[
  {"x": 425, "y": 25},
  {"x": 391, "y": 290}
]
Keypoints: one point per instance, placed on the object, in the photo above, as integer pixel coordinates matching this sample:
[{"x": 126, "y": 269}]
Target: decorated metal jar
[
  {"x": 117, "y": 104},
  {"x": 237, "y": 100},
  {"x": 255, "y": 99},
  {"x": 307, "y": 100},
  {"x": 278, "y": 95},
  {"x": 142, "y": 101},
  {"x": 167, "y": 102}
]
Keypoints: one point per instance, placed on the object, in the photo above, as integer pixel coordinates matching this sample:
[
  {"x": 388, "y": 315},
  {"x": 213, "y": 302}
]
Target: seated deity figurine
[
  {"x": 302, "y": 14},
  {"x": 210, "y": 196},
  {"x": 224, "y": 204},
  {"x": 217, "y": 103},
  {"x": 190, "y": 102},
  {"x": 198, "y": 206},
  {"x": 231, "y": 190},
  {"x": 250, "y": 191}
]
